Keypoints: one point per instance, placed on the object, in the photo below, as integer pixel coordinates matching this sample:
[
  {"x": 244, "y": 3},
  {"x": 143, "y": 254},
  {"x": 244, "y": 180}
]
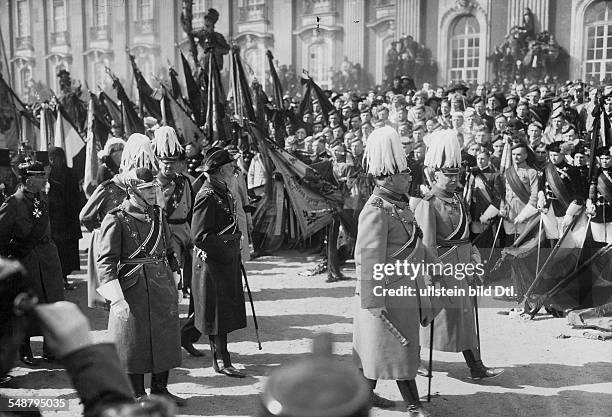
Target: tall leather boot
[
  {"x": 212, "y": 339},
  {"x": 159, "y": 386},
  {"x": 137, "y": 381},
  {"x": 333, "y": 260},
  {"x": 410, "y": 394},
  {"x": 477, "y": 369},
  {"x": 221, "y": 347}
]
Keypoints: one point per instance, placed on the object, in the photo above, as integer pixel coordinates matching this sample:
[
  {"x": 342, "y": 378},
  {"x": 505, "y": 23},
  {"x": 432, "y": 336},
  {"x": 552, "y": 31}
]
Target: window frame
[
  {"x": 604, "y": 63},
  {"x": 462, "y": 40}
]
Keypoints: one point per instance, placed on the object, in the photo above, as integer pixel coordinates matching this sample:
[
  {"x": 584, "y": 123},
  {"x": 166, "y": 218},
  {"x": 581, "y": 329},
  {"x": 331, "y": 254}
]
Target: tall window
[
  {"x": 100, "y": 13},
  {"x": 598, "y": 27},
  {"x": 59, "y": 16},
  {"x": 144, "y": 10},
  {"x": 23, "y": 18},
  {"x": 465, "y": 49},
  {"x": 318, "y": 62}
]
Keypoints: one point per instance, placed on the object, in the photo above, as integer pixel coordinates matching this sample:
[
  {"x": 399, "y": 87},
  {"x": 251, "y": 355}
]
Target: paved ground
[{"x": 545, "y": 376}]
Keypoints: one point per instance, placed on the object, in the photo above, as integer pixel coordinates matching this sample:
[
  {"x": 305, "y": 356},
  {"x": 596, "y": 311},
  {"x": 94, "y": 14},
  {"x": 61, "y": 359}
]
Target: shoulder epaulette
[
  {"x": 206, "y": 192},
  {"x": 377, "y": 202},
  {"x": 105, "y": 183},
  {"x": 115, "y": 210}
]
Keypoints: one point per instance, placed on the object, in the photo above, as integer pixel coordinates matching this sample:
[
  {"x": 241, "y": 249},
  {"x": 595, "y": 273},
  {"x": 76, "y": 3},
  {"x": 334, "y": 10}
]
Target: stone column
[
  {"x": 539, "y": 8},
  {"x": 354, "y": 30},
  {"x": 409, "y": 19}
]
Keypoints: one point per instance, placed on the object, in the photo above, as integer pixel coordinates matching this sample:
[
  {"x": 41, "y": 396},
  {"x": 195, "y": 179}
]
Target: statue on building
[
  {"x": 204, "y": 41},
  {"x": 526, "y": 54},
  {"x": 71, "y": 101},
  {"x": 412, "y": 59}
]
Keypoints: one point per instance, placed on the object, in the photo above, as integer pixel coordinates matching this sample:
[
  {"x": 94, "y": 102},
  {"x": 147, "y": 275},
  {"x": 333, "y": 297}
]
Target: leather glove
[
  {"x": 121, "y": 309},
  {"x": 485, "y": 220}
]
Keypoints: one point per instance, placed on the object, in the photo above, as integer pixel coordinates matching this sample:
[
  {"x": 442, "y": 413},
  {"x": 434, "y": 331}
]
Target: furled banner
[{"x": 312, "y": 211}]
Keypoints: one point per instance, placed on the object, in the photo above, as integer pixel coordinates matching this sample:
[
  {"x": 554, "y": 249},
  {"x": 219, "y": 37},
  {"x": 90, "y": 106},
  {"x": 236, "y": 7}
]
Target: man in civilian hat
[
  {"x": 136, "y": 262},
  {"x": 217, "y": 280}
]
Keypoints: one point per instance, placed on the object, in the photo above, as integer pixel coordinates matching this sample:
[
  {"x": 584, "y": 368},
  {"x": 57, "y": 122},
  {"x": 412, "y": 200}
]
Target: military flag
[{"x": 68, "y": 138}]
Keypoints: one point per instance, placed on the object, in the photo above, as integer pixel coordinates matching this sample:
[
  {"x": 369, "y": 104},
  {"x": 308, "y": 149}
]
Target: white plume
[
  {"x": 166, "y": 143},
  {"x": 384, "y": 153},
  {"x": 444, "y": 150},
  {"x": 138, "y": 153}
]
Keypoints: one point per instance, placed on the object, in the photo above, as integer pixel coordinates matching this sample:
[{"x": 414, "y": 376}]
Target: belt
[
  {"x": 230, "y": 237},
  {"x": 451, "y": 243},
  {"x": 143, "y": 261}
]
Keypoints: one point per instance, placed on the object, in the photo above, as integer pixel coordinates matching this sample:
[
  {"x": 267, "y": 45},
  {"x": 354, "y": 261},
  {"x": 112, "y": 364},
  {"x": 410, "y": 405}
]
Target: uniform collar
[
  {"x": 217, "y": 185},
  {"x": 143, "y": 215},
  {"x": 442, "y": 194},
  {"x": 400, "y": 200}
]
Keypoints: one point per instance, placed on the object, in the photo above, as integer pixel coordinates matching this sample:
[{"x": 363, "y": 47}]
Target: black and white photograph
[{"x": 306, "y": 208}]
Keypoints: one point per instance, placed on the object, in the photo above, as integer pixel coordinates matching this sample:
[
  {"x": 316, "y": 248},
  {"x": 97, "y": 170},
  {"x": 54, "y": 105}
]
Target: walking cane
[
  {"x": 246, "y": 281},
  {"x": 429, "y": 375}
]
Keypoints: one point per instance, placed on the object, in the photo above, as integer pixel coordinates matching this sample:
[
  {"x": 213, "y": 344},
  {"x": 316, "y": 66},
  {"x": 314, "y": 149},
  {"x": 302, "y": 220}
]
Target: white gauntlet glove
[
  {"x": 121, "y": 309},
  {"x": 112, "y": 292}
]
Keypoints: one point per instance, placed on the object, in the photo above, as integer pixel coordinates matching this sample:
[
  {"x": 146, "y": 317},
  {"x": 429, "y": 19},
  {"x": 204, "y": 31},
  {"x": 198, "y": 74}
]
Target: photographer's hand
[{"x": 65, "y": 328}]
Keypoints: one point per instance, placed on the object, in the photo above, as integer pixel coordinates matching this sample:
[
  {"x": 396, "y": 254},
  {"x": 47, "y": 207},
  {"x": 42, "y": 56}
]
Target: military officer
[
  {"x": 217, "y": 280},
  {"x": 137, "y": 153},
  {"x": 177, "y": 198},
  {"x": 25, "y": 234},
  {"x": 559, "y": 194},
  {"x": 445, "y": 213},
  {"x": 388, "y": 233},
  {"x": 136, "y": 261},
  {"x": 599, "y": 204}
]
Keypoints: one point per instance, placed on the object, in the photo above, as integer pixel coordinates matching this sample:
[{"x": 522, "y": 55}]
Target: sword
[
  {"x": 246, "y": 281},
  {"x": 539, "y": 243},
  {"x": 501, "y": 221},
  {"x": 429, "y": 374}
]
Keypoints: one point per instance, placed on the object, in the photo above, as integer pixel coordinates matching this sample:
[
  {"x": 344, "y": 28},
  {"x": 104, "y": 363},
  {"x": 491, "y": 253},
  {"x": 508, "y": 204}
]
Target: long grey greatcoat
[
  {"x": 454, "y": 325},
  {"x": 387, "y": 233},
  {"x": 25, "y": 234},
  {"x": 217, "y": 279},
  {"x": 149, "y": 342}
]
